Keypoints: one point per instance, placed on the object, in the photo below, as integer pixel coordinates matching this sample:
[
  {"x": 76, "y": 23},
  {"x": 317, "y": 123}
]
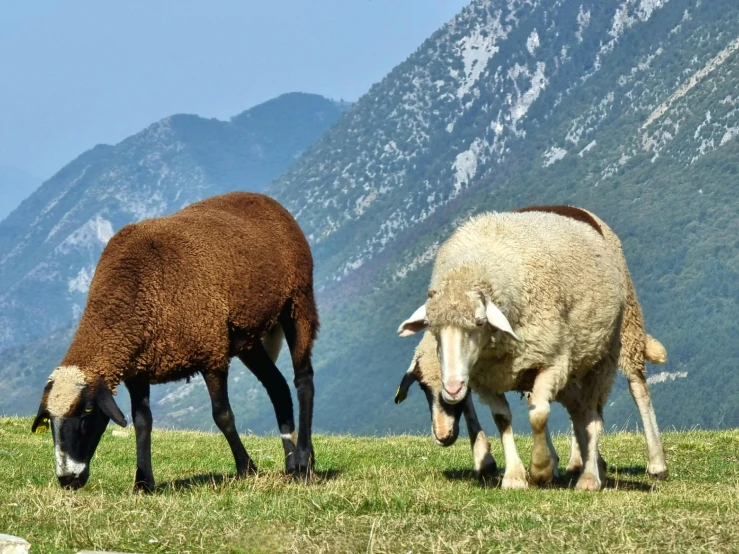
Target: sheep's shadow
[
  {"x": 218, "y": 479},
  {"x": 566, "y": 480}
]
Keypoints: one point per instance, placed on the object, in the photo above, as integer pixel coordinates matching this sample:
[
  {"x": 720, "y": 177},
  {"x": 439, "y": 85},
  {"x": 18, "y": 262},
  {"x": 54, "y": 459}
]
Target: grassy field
[{"x": 395, "y": 494}]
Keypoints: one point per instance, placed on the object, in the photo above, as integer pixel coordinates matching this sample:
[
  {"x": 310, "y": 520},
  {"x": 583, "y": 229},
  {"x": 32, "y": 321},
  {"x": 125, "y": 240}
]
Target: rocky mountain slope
[{"x": 626, "y": 107}]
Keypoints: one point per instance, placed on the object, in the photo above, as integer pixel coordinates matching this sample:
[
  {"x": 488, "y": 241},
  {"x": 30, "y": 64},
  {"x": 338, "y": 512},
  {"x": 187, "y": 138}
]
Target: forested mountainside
[{"x": 627, "y": 108}]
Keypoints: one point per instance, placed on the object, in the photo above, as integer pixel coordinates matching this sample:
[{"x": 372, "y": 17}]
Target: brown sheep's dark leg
[
  {"x": 259, "y": 363},
  {"x": 217, "y": 383},
  {"x": 142, "y": 422},
  {"x": 299, "y": 338}
]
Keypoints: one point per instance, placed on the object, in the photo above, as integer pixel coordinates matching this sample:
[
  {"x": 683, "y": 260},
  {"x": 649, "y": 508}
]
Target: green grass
[{"x": 394, "y": 494}]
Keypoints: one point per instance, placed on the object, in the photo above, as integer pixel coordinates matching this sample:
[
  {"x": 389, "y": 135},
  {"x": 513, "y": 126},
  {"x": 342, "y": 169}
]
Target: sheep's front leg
[
  {"x": 484, "y": 461},
  {"x": 514, "y": 476},
  {"x": 142, "y": 422},
  {"x": 546, "y": 386},
  {"x": 550, "y": 444},
  {"x": 217, "y": 383}
]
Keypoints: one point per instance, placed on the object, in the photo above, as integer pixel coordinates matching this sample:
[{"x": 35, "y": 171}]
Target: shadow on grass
[
  {"x": 218, "y": 479},
  {"x": 566, "y": 480}
]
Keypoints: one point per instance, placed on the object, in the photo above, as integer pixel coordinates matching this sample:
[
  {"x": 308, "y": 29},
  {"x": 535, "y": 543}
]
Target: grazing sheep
[
  {"x": 180, "y": 295},
  {"x": 528, "y": 301},
  {"x": 636, "y": 346}
]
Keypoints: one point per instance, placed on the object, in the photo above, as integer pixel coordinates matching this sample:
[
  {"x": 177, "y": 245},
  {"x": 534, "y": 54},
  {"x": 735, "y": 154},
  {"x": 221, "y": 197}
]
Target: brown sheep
[
  {"x": 637, "y": 346},
  {"x": 180, "y": 295}
]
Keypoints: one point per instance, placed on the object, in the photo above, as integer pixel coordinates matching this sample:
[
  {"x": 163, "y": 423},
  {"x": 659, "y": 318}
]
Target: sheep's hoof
[
  {"x": 658, "y": 472},
  {"x": 541, "y": 476},
  {"x": 488, "y": 467},
  {"x": 141, "y": 487},
  {"x": 514, "y": 483},
  {"x": 588, "y": 482},
  {"x": 302, "y": 465},
  {"x": 250, "y": 469}
]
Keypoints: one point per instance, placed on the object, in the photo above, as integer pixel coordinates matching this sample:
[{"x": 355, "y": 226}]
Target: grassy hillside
[{"x": 393, "y": 494}]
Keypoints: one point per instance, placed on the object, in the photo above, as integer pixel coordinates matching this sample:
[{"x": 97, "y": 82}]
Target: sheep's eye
[
  {"x": 480, "y": 322},
  {"x": 88, "y": 409}
]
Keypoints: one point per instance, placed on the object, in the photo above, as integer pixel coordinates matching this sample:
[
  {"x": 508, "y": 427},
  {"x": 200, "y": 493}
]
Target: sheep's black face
[
  {"x": 76, "y": 430},
  {"x": 75, "y": 440}
]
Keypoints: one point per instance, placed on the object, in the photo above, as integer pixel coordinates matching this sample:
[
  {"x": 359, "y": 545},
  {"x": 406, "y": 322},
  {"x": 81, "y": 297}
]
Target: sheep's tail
[{"x": 654, "y": 351}]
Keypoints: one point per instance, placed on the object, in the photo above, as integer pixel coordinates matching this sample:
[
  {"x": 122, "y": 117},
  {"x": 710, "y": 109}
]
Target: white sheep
[
  {"x": 636, "y": 347},
  {"x": 528, "y": 301}
]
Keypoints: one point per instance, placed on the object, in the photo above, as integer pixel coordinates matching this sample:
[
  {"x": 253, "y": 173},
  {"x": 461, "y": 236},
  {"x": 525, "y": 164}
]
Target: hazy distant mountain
[
  {"x": 15, "y": 186},
  {"x": 50, "y": 245}
]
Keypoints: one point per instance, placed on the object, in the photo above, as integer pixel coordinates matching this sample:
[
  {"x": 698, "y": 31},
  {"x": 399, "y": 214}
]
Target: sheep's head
[
  {"x": 426, "y": 371},
  {"x": 78, "y": 411},
  {"x": 463, "y": 319}
]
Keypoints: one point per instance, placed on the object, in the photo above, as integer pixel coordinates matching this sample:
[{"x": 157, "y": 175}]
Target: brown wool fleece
[{"x": 175, "y": 295}]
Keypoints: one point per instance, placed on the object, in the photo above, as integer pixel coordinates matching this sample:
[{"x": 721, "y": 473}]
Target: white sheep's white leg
[
  {"x": 552, "y": 452},
  {"x": 588, "y": 428},
  {"x": 550, "y": 444},
  {"x": 514, "y": 476},
  {"x": 575, "y": 463},
  {"x": 484, "y": 461},
  {"x": 657, "y": 468},
  {"x": 546, "y": 386}
]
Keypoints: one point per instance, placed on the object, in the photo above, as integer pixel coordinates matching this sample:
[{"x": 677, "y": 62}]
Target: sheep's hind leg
[
  {"x": 217, "y": 383},
  {"x": 484, "y": 462},
  {"x": 261, "y": 365},
  {"x": 142, "y": 422},
  {"x": 575, "y": 463},
  {"x": 657, "y": 467},
  {"x": 298, "y": 334}
]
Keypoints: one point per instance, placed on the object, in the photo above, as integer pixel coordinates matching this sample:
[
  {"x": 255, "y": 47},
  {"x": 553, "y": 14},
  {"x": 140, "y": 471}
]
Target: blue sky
[{"x": 75, "y": 74}]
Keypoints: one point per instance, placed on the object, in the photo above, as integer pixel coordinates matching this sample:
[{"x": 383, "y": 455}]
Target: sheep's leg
[
  {"x": 657, "y": 467},
  {"x": 550, "y": 444},
  {"x": 546, "y": 386},
  {"x": 588, "y": 427},
  {"x": 575, "y": 463},
  {"x": 552, "y": 452},
  {"x": 142, "y": 422},
  {"x": 299, "y": 339},
  {"x": 514, "y": 476},
  {"x": 261, "y": 365},
  {"x": 484, "y": 461},
  {"x": 217, "y": 383}
]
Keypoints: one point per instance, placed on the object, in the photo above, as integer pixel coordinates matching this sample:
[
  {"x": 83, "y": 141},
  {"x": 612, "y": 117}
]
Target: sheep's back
[
  {"x": 556, "y": 279},
  {"x": 179, "y": 285}
]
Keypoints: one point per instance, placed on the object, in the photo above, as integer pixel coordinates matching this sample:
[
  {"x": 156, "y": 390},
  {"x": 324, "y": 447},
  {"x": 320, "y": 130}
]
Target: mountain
[
  {"x": 628, "y": 108},
  {"x": 15, "y": 185},
  {"x": 49, "y": 246},
  {"x": 625, "y": 107}
]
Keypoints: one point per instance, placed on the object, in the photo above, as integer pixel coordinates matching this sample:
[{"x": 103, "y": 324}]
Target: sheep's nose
[{"x": 453, "y": 388}]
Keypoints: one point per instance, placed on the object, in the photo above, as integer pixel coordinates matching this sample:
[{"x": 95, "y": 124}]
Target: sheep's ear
[
  {"x": 408, "y": 379},
  {"x": 417, "y": 322},
  {"x": 107, "y": 404},
  {"x": 496, "y": 318},
  {"x": 41, "y": 423}
]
